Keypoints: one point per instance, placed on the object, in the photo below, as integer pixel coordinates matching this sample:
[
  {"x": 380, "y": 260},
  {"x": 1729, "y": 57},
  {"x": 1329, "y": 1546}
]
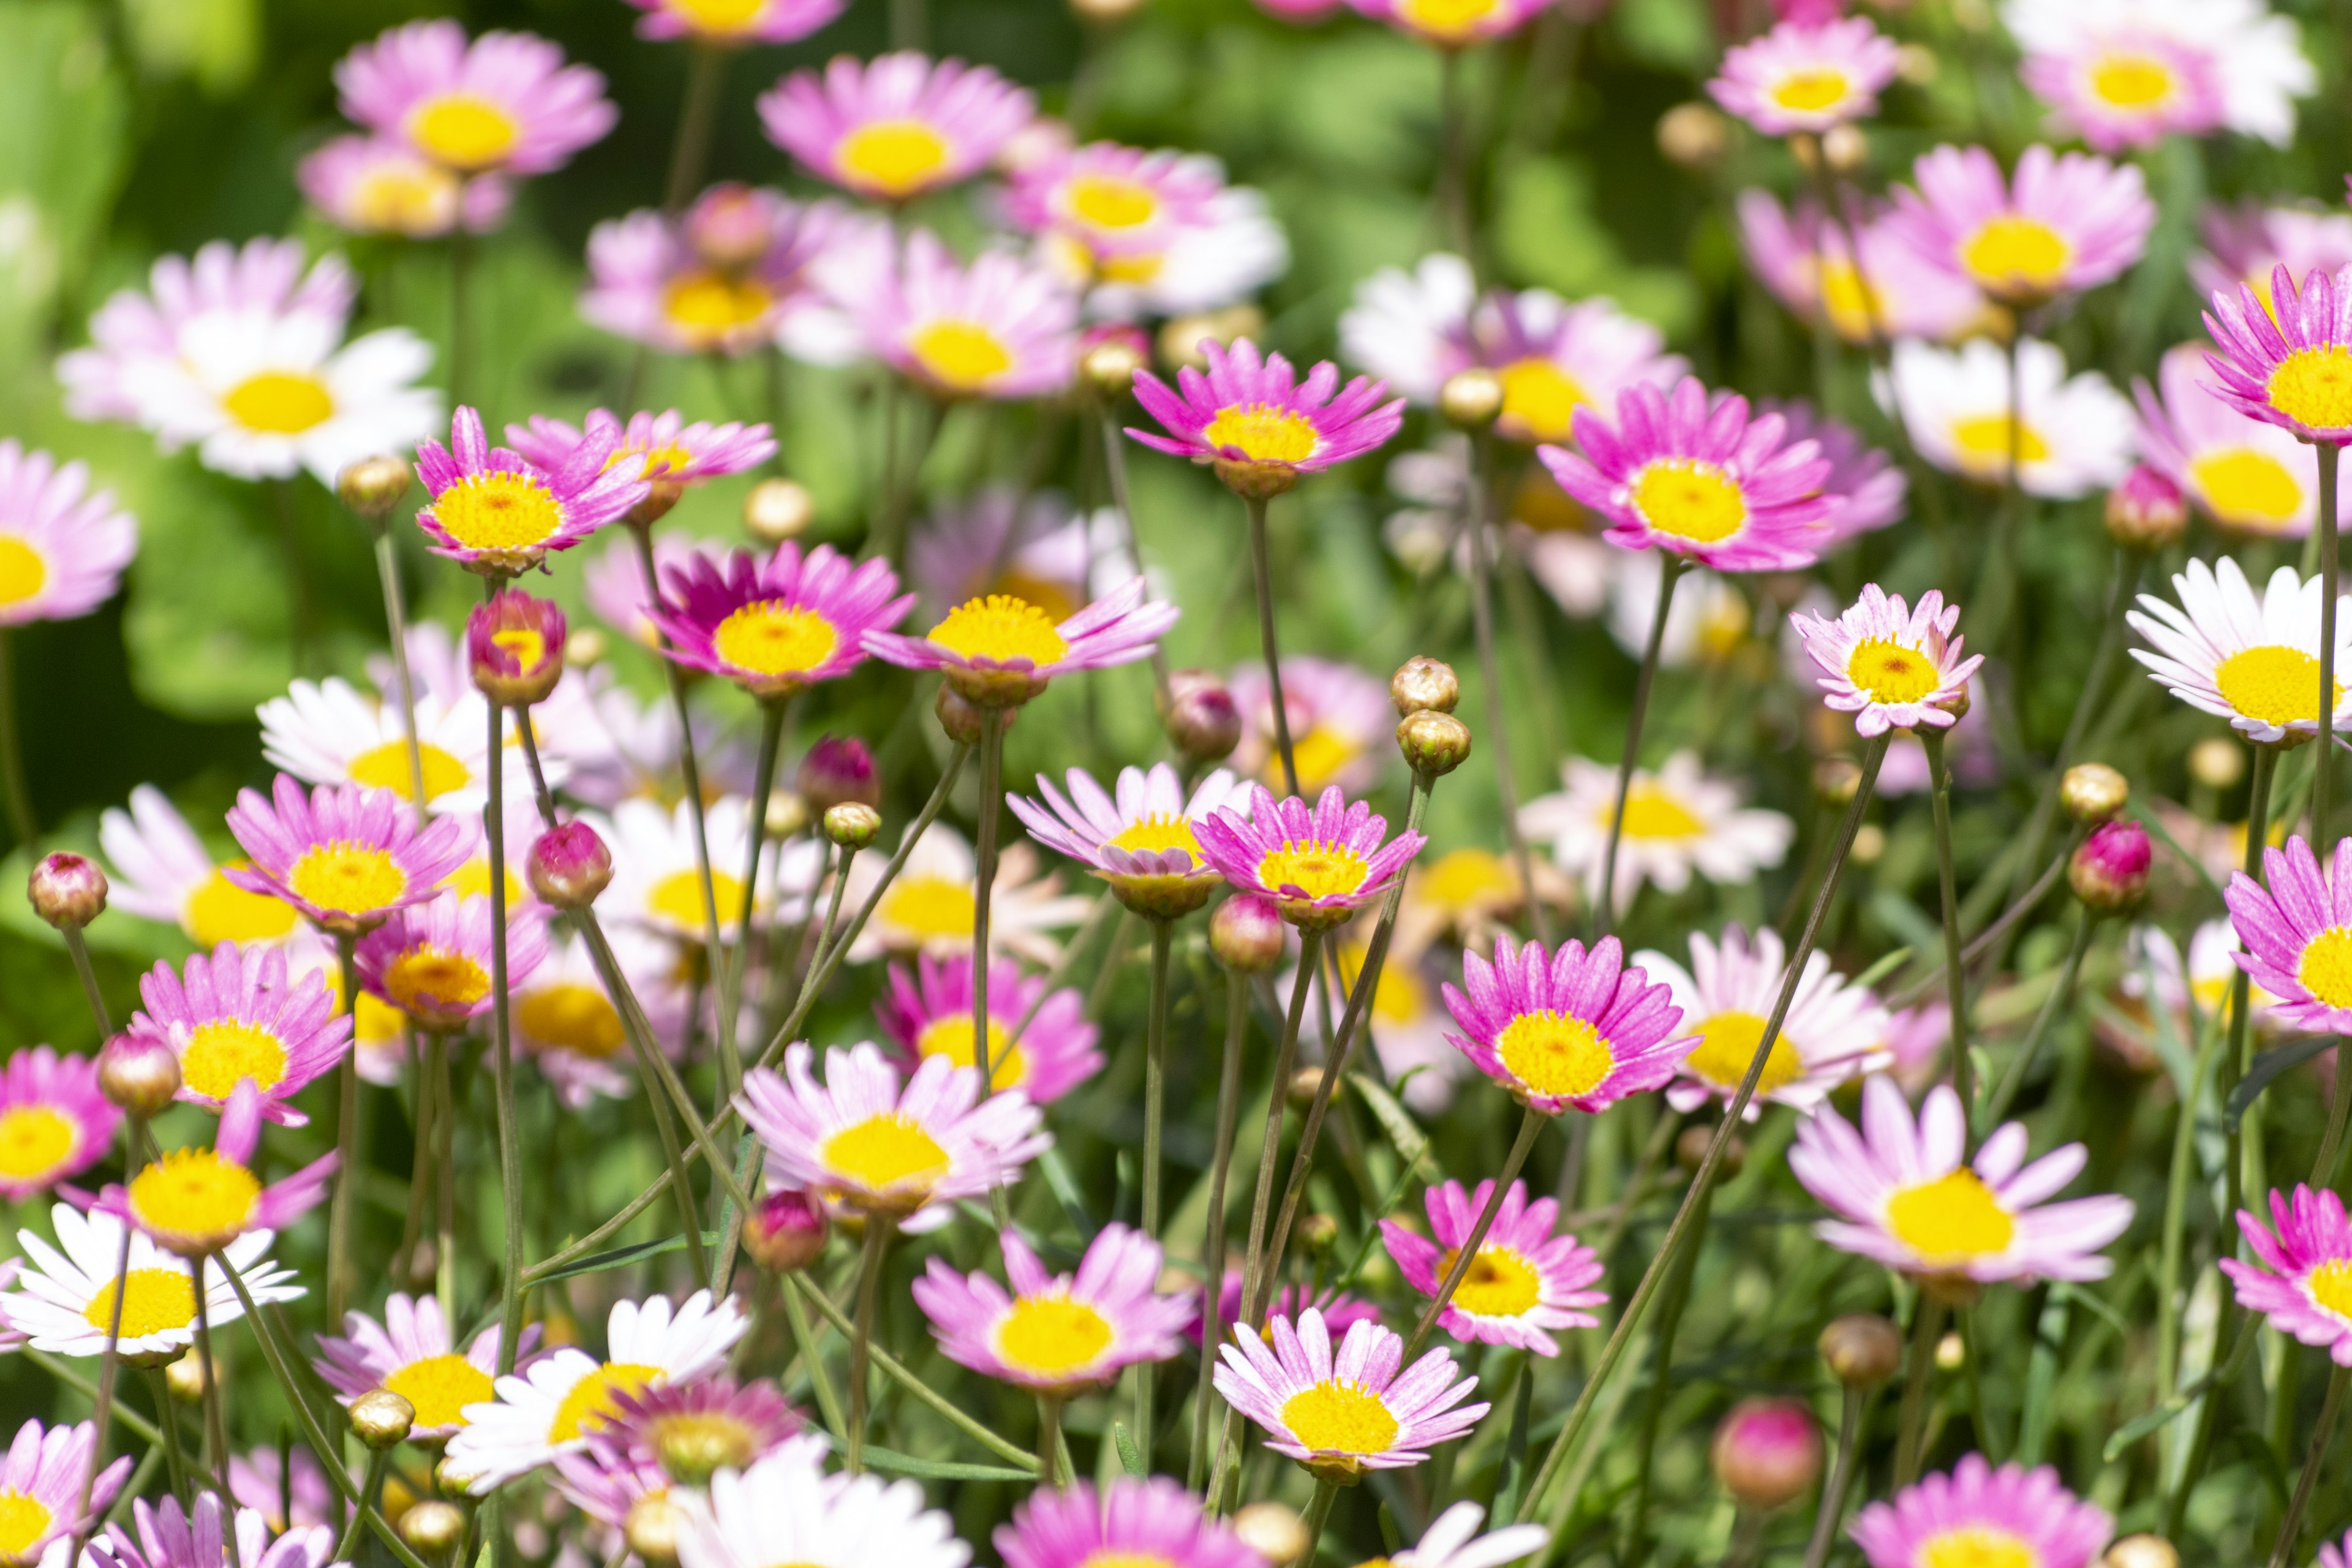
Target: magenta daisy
[
  {"x": 1319, "y": 864},
  {"x": 375, "y": 184},
  {"x": 1907, "y": 1198},
  {"x": 2068, "y": 222},
  {"x": 62, "y": 548},
  {"x": 1804, "y": 78},
  {"x": 54, "y": 1122},
  {"x": 1888, "y": 665},
  {"x": 736, "y": 21},
  {"x": 41, "y": 1485},
  {"x": 2304, "y": 1281},
  {"x": 347, "y": 857},
  {"x": 1566, "y": 1029},
  {"x": 1259, "y": 426},
  {"x": 882, "y": 1147},
  {"x": 1866, "y": 488},
  {"x": 1453, "y": 23},
  {"x": 236, "y": 1017},
  {"x": 2248, "y": 475},
  {"x": 691, "y": 1429},
  {"x": 779, "y": 626},
  {"x": 892, "y": 128},
  {"x": 1892, "y": 292},
  {"x": 1140, "y": 841},
  {"x": 1978, "y": 1514},
  {"x": 1061, "y": 1333},
  {"x": 1134, "y": 1520},
  {"x": 999, "y": 651},
  {"x": 2296, "y": 926},
  {"x": 1340, "y": 1311},
  {"x": 413, "y": 1354},
  {"x": 195, "y": 1202},
  {"x": 433, "y": 960},
  {"x": 503, "y": 101},
  {"x": 1002, "y": 327},
  {"x": 1697, "y": 475},
  {"x": 1524, "y": 1284},
  {"x": 2288, "y": 363},
  {"x": 730, "y": 276},
  {"x": 929, "y": 1015},
  {"x": 499, "y": 513},
  {"x": 1345, "y": 1413}
]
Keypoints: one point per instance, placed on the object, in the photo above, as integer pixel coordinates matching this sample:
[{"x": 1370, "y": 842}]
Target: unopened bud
[
  {"x": 1422, "y": 684},
  {"x": 652, "y": 1529},
  {"x": 2217, "y": 763},
  {"x": 373, "y": 486},
  {"x": 68, "y": 891},
  {"x": 1951, "y": 1353},
  {"x": 852, "y": 826},
  {"x": 1691, "y": 1146},
  {"x": 568, "y": 866},
  {"x": 1317, "y": 1234},
  {"x": 787, "y": 1231},
  {"x": 2147, "y": 511},
  {"x": 1767, "y": 1452},
  {"x": 787, "y": 814},
  {"x": 1835, "y": 780},
  {"x": 661, "y": 496},
  {"x": 837, "y": 770},
  {"x": 139, "y": 1075},
  {"x": 185, "y": 1378},
  {"x": 1845, "y": 148},
  {"x": 1108, "y": 363},
  {"x": 961, "y": 717},
  {"x": 731, "y": 225},
  {"x": 1862, "y": 1350},
  {"x": 2145, "y": 1552},
  {"x": 1246, "y": 933},
  {"x": 1470, "y": 399},
  {"x": 514, "y": 641},
  {"x": 433, "y": 1528},
  {"x": 1693, "y": 135},
  {"x": 585, "y": 645},
  {"x": 2109, "y": 869},
  {"x": 1433, "y": 744},
  {"x": 382, "y": 1418},
  {"x": 778, "y": 510},
  {"x": 1305, "y": 1085},
  {"x": 1273, "y": 1531},
  {"x": 2092, "y": 792},
  {"x": 1202, "y": 720}
]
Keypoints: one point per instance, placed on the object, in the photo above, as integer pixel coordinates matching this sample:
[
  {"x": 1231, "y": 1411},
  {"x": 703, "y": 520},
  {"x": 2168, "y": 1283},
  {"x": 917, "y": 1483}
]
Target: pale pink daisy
[
  {"x": 1804, "y": 77},
  {"x": 730, "y": 275},
  {"x": 1342, "y": 725},
  {"x": 675, "y": 454},
  {"x": 2066, "y": 223},
  {"x": 1345, "y": 1411},
  {"x": 195, "y": 1202},
  {"x": 1834, "y": 1030},
  {"x": 346, "y": 858},
  {"x": 54, "y": 1122},
  {"x": 1978, "y": 1514},
  {"x": 169, "y": 1538},
  {"x": 1140, "y": 841},
  {"x": 41, "y": 1479},
  {"x": 1146, "y": 233},
  {"x": 376, "y": 184},
  {"x": 1524, "y": 1285},
  {"x": 1890, "y": 665},
  {"x": 1566, "y": 1030},
  {"x": 1002, "y": 327},
  {"x": 1891, "y": 292},
  {"x": 2296, "y": 925},
  {"x": 2303, "y": 1280},
  {"x": 162, "y": 871},
  {"x": 2252, "y": 660},
  {"x": 2287, "y": 361},
  {"x": 433, "y": 960},
  {"x": 780, "y": 625},
  {"x": 1319, "y": 864},
  {"x": 503, "y": 101},
  {"x": 1453, "y": 23},
  {"x": 736, "y": 21},
  {"x": 62, "y": 547},
  {"x": 2244, "y": 244},
  {"x": 238, "y": 1017},
  {"x": 1259, "y": 426},
  {"x": 2126, "y": 73},
  {"x": 1057, "y": 1334},
  {"x": 499, "y": 513},
  {"x": 929, "y": 1014},
  {"x": 413, "y": 1354},
  {"x": 2248, "y": 475},
  {"x": 892, "y": 128},
  {"x": 1001, "y": 651},
  {"x": 1134, "y": 1520}
]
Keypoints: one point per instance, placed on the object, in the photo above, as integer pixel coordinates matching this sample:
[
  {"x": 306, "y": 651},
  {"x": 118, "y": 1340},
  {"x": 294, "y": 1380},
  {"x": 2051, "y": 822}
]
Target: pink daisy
[
  {"x": 929, "y": 1015},
  {"x": 1134, "y": 1520},
  {"x": 375, "y": 184},
  {"x": 1526, "y": 1283},
  {"x": 503, "y": 101},
  {"x": 169, "y": 1538},
  {"x": 1866, "y": 488},
  {"x": 1453, "y": 23},
  {"x": 1259, "y": 425},
  {"x": 195, "y": 1202},
  {"x": 1892, "y": 292},
  {"x": 499, "y": 513},
  {"x": 62, "y": 549},
  {"x": 892, "y": 128},
  {"x": 413, "y": 1354},
  {"x": 1318, "y": 864},
  {"x": 730, "y": 276},
  {"x": 1345, "y": 1413},
  {"x": 1340, "y": 1311},
  {"x": 2067, "y": 222},
  {"x": 688, "y": 1430},
  {"x": 54, "y": 1122},
  {"x": 779, "y": 626},
  {"x": 2304, "y": 1281},
  {"x": 237, "y": 1018},
  {"x": 2296, "y": 925},
  {"x": 614, "y": 581},
  {"x": 736, "y": 21},
  {"x": 1803, "y": 77},
  {"x": 1001, "y": 651},
  {"x": 1057, "y": 1334},
  {"x": 674, "y": 453},
  {"x": 1342, "y": 725},
  {"x": 2288, "y": 361},
  {"x": 1566, "y": 1029},
  {"x": 2248, "y": 475},
  {"x": 1978, "y": 1514},
  {"x": 41, "y": 1477},
  {"x": 433, "y": 960},
  {"x": 2126, "y": 73},
  {"x": 346, "y": 857},
  {"x": 2246, "y": 243},
  {"x": 1002, "y": 327},
  {"x": 1115, "y": 205},
  {"x": 1141, "y": 842},
  {"x": 1888, "y": 665}
]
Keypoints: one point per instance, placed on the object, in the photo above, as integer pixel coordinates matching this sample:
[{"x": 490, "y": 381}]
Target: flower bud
[
  {"x": 961, "y": 717},
  {"x": 2109, "y": 869},
  {"x": 2142, "y": 1551},
  {"x": 1951, "y": 1350},
  {"x": 778, "y": 510},
  {"x": 1305, "y": 1085},
  {"x": 185, "y": 1378},
  {"x": 1470, "y": 399},
  {"x": 1693, "y": 135},
  {"x": 2092, "y": 792},
  {"x": 373, "y": 486},
  {"x": 2217, "y": 763},
  {"x": 584, "y": 647},
  {"x": 1958, "y": 704},
  {"x": 2147, "y": 511},
  {"x": 568, "y": 866},
  {"x": 1246, "y": 933},
  {"x": 1112, "y": 355},
  {"x": 652, "y": 1529},
  {"x": 853, "y": 824},
  {"x": 1317, "y": 1234},
  {"x": 839, "y": 771},
  {"x": 1274, "y": 1530},
  {"x": 433, "y": 1528},
  {"x": 786, "y": 1232},
  {"x": 787, "y": 814},
  {"x": 1690, "y": 1150},
  {"x": 1767, "y": 1452},
  {"x": 1845, "y": 148},
  {"x": 1862, "y": 1350},
  {"x": 68, "y": 891},
  {"x": 730, "y": 226},
  {"x": 382, "y": 1418},
  {"x": 1835, "y": 780},
  {"x": 1423, "y": 684},
  {"x": 1254, "y": 480},
  {"x": 515, "y": 643},
  {"x": 138, "y": 1074},
  {"x": 1180, "y": 340},
  {"x": 1433, "y": 744},
  {"x": 1202, "y": 720}
]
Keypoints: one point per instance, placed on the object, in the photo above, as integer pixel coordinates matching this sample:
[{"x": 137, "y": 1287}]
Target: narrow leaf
[
  {"x": 622, "y": 1257},
  {"x": 1127, "y": 1455},
  {"x": 2266, "y": 1070}
]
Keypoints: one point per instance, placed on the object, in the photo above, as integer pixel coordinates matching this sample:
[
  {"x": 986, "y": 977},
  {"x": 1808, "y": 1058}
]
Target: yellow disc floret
[
  {"x": 347, "y": 877},
  {"x": 280, "y": 402},
  {"x": 1892, "y": 672},
  {"x": 895, "y": 157},
  {"x": 386, "y": 767},
  {"x": 887, "y": 1154},
  {"x": 1316, "y": 870},
  {"x": 1499, "y": 1282},
  {"x": 1951, "y": 1221},
  {"x": 463, "y": 131},
  {"x": 154, "y": 1301},
  {"x": 192, "y": 1200},
  {"x": 498, "y": 510},
  {"x": 1690, "y": 499},
  {"x": 2272, "y": 683},
  {"x": 429, "y": 980},
  {"x": 441, "y": 1386},
  {"x": 1001, "y": 629},
  {"x": 960, "y": 356},
  {"x": 2326, "y": 967},
  {"x": 1052, "y": 1336},
  {"x": 771, "y": 639},
  {"x": 1262, "y": 432},
  {"x": 1336, "y": 1417},
  {"x": 1811, "y": 91},
  {"x": 2314, "y": 387},
  {"x": 1727, "y": 1043},
  {"x": 929, "y": 908},
  {"x": 1555, "y": 1053},
  {"x": 222, "y": 1052},
  {"x": 2017, "y": 254},
  {"x": 23, "y": 571}
]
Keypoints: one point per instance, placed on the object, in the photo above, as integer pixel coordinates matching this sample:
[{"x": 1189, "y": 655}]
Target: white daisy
[
  {"x": 1707, "y": 622},
  {"x": 930, "y": 907},
  {"x": 1451, "y": 1540},
  {"x": 1677, "y": 820},
  {"x": 2254, "y": 662},
  {"x": 2124, "y": 72},
  {"x": 565, "y": 1021},
  {"x": 1834, "y": 1030},
  {"x": 64, "y": 1299},
  {"x": 331, "y": 733},
  {"x": 2076, "y": 436},
  {"x": 160, "y": 869},
  {"x": 785, "y": 1509},
  {"x": 549, "y": 1408},
  {"x": 657, "y": 880},
  {"x": 1218, "y": 262}
]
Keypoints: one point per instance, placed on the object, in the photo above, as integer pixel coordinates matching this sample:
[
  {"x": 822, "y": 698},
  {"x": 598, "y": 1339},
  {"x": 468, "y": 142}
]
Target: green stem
[
  {"x": 109, "y": 1368},
  {"x": 732, "y": 1209},
  {"x": 1676, "y": 1297},
  {"x": 1604, "y": 902},
  {"x": 828, "y": 1402},
  {"x": 1213, "y": 1253},
  {"x": 1988, "y": 1440},
  {"x": 175, "y": 1464},
  {"x": 1114, "y": 470},
  {"x": 1261, "y": 562},
  {"x": 1956, "y": 978},
  {"x": 2284, "y": 1552},
  {"x": 1155, "y": 1096},
  {"x": 1049, "y": 1441},
  {"x": 2061, "y": 997},
  {"x": 2322, "y": 765},
  {"x": 651, "y": 1066},
  {"x": 1531, "y": 1122},
  {"x": 992, "y": 808},
  {"x": 17, "y": 796},
  {"x": 705, "y": 65},
  {"x": 403, "y": 689},
  {"x": 445, "y": 1131},
  {"x": 216, "y": 1433},
  {"x": 824, "y": 932},
  {"x": 370, "y": 1489},
  {"x": 1490, "y": 676},
  {"x": 1919, "y": 1382},
  {"x": 1454, "y": 155},
  {"x": 343, "y": 1206},
  {"x": 861, "y": 1334},
  {"x": 502, "y": 1055},
  {"x": 891, "y": 1367},
  {"x": 461, "y": 279},
  {"x": 1319, "y": 1514},
  {"x": 2176, "y": 1213},
  {"x": 1833, "y": 1503}
]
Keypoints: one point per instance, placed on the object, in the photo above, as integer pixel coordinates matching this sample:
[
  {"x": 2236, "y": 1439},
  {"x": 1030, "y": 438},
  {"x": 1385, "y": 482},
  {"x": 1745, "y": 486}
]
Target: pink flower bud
[
  {"x": 568, "y": 866},
  {"x": 1767, "y": 1452},
  {"x": 138, "y": 1074},
  {"x": 839, "y": 773},
  {"x": 1246, "y": 933},
  {"x": 731, "y": 225},
  {"x": 787, "y": 1232},
  {"x": 2147, "y": 511},
  {"x": 2109, "y": 871},
  {"x": 516, "y": 645},
  {"x": 1201, "y": 718},
  {"x": 68, "y": 891}
]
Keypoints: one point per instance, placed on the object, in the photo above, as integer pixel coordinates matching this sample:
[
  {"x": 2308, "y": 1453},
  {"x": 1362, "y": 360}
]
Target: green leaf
[
  {"x": 1397, "y": 1122},
  {"x": 214, "y": 41},
  {"x": 1129, "y": 1454},
  {"x": 2267, "y": 1067},
  {"x": 890, "y": 1462},
  {"x": 622, "y": 1257}
]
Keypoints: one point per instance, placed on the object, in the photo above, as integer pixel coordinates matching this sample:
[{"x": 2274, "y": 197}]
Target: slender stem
[
  {"x": 902, "y": 482},
  {"x": 1490, "y": 676},
  {"x": 1955, "y": 975},
  {"x": 1833, "y": 1504},
  {"x": 2323, "y": 770},
  {"x": 1263, "y": 569},
  {"x": 1453, "y": 153},
  {"x": 461, "y": 276},
  {"x": 828, "y": 1402},
  {"x": 111, "y": 1366},
  {"x": 1115, "y": 469},
  {"x": 23, "y": 826},
  {"x": 1630, "y": 1318},
  {"x": 1155, "y": 1095},
  {"x": 1531, "y": 1122},
  {"x": 2284, "y": 1552},
  {"x": 650, "y": 1065},
  {"x": 2176, "y": 1212},
  {"x": 2061, "y": 997},
  {"x": 216, "y": 1434},
  {"x": 90, "y": 993},
  {"x": 825, "y": 933},
  {"x": 445, "y": 1131},
  {"x": 344, "y": 1205},
  {"x": 1604, "y": 902},
  {"x": 1049, "y": 1441},
  {"x": 422, "y": 1174},
  {"x": 1212, "y": 1252},
  {"x": 175, "y": 1464},
  {"x": 538, "y": 1273},
  {"x": 992, "y": 808},
  {"x": 1919, "y": 1378},
  {"x": 940, "y": 1404},
  {"x": 907, "y": 29},
  {"x": 1671, "y": 1303},
  {"x": 705, "y": 65},
  {"x": 1319, "y": 1514},
  {"x": 861, "y": 1336},
  {"x": 371, "y": 1488},
  {"x": 1988, "y": 1440},
  {"x": 494, "y": 828}
]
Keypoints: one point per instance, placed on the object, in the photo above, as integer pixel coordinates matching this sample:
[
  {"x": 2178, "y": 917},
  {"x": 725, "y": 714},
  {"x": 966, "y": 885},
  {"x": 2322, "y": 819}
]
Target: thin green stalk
[
  {"x": 1604, "y": 902},
  {"x": 1490, "y": 676},
  {"x": 1531, "y": 1122},
  {"x": 19, "y": 796},
  {"x": 502, "y": 1054},
  {"x": 422, "y": 1174},
  {"x": 1918, "y": 1381},
  {"x": 828, "y": 1402},
  {"x": 1115, "y": 470},
  {"x": 992, "y": 808},
  {"x": 461, "y": 291},
  {"x": 89, "y": 991},
  {"x": 1833, "y": 1503},
  {"x": 1213, "y": 1251},
  {"x": 936, "y": 1402},
  {"x": 1988, "y": 1440},
  {"x": 1049, "y": 1441},
  {"x": 371, "y": 1488},
  {"x": 1956, "y": 975},
  {"x": 1671, "y": 1303},
  {"x": 216, "y": 1433},
  {"x": 342, "y": 1208},
  {"x": 705, "y": 65},
  {"x": 1261, "y": 562},
  {"x": 445, "y": 1130},
  {"x": 403, "y": 689},
  {"x": 824, "y": 932},
  {"x": 1155, "y": 1095},
  {"x": 861, "y": 1334},
  {"x": 650, "y": 1062},
  {"x": 2284, "y": 1551},
  {"x": 1454, "y": 155},
  {"x": 2178, "y": 1182},
  {"x": 1319, "y": 1514},
  {"x": 772, "y": 712},
  {"x": 2327, "y": 454},
  {"x": 110, "y": 1366},
  {"x": 2061, "y": 997}
]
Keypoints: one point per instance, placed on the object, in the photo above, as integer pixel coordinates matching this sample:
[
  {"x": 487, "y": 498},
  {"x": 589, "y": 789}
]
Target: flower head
[
  {"x": 736, "y": 21},
  {"x": 1570, "y": 1029},
  {"x": 733, "y": 274},
  {"x": 1806, "y": 77},
  {"x": 2253, "y": 661},
  {"x": 786, "y": 1509},
  {"x": 347, "y": 857},
  {"x": 1866, "y": 488},
  {"x": 932, "y": 905},
  {"x": 676, "y": 455},
  {"x": 2248, "y": 475},
  {"x": 693, "y": 1429},
  {"x": 1524, "y": 1284},
  {"x": 1342, "y": 726},
  {"x": 498, "y": 513},
  {"x": 779, "y": 626},
  {"x": 1140, "y": 841},
  {"x": 2066, "y": 223},
  {"x": 1133, "y": 1520},
  {"x": 1677, "y": 820},
  {"x": 62, "y": 549},
  {"x": 159, "y": 869},
  {"x": 2072, "y": 437},
  {"x": 2247, "y": 243},
  {"x": 331, "y": 733},
  {"x": 195, "y": 1202},
  {"x": 1318, "y": 864},
  {"x": 1058, "y": 1334},
  {"x": 2127, "y": 72},
  {"x": 54, "y": 1122},
  {"x": 2296, "y": 925},
  {"x": 570, "y": 1027},
  {"x": 2303, "y": 1282},
  {"x": 657, "y": 880},
  {"x": 1978, "y": 1514},
  {"x": 892, "y": 128},
  {"x": 41, "y": 1479},
  {"x": 1834, "y": 1030},
  {"x": 238, "y": 1018},
  {"x": 2287, "y": 361},
  {"x": 1906, "y": 1199},
  {"x": 1001, "y": 651},
  {"x": 64, "y": 1301},
  {"x": 413, "y": 1354},
  {"x": 1892, "y": 292},
  {"x": 1346, "y": 1412},
  {"x": 1141, "y": 232},
  {"x": 1888, "y": 665},
  {"x": 504, "y": 102},
  {"x": 929, "y": 1015},
  {"x": 379, "y": 184},
  {"x": 515, "y": 643},
  {"x": 1452, "y": 23},
  {"x": 1002, "y": 327},
  {"x": 433, "y": 962},
  {"x": 1257, "y": 424},
  {"x": 169, "y": 1537}
]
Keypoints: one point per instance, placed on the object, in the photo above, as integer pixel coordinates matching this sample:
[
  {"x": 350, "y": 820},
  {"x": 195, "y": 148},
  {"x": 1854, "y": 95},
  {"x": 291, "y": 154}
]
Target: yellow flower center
[
  {"x": 1445, "y": 18},
  {"x": 962, "y": 356},
  {"x": 1001, "y": 629},
  {"x": 2247, "y": 488},
  {"x": 2330, "y": 1285},
  {"x": 2275, "y": 684},
  {"x": 441, "y": 1386},
  {"x": 771, "y": 637},
  {"x": 464, "y": 131},
  {"x": 1555, "y": 1053},
  {"x": 527, "y": 646},
  {"x": 571, "y": 1016},
  {"x": 1854, "y": 307},
  {"x": 1052, "y": 1336},
  {"x": 219, "y": 910},
  {"x": 1652, "y": 813},
  {"x": 442, "y": 982},
  {"x": 1952, "y": 1220},
  {"x": 928, "y": 907},
  {"x": 194, "y": 1192},
  {"x": 378, "y": 1023},
  {"x": 225, "y": 1050},
  {"x": 1106, "y": 1558},
  {"x": 1689, "y": 500},
  {"x": 1888, "y": 671},
  {"x": 1499, "y": 1283},
  {"x": 1539, "y": 401},
  {"x": 498, "y": 510},
  {"x": 2325, "y": 966},
  {"x": 707, "y": 308},
  {"x": 23, "y": 571},
  {"x": 1977, "y": 1546},
  {"x": 883, "y": 1152},
  {"x": 1317, "y": 870},
  {"x": 722, "y": 16},
  {"x": 590, "y": 1404},
  {"x": 2016, "y": 254},
  {"x": 1319, "y": 754},
  {"x": 1339, "y": 1418},
  {"x": 34, "y": 1140},
  {"x": 410, "y": 199},
  {"x": 678, "y": 898},
  {"x": 2131, "y": 81},
  {"x": 1812, "y": 90},
  {"x": 1981, "y": 444},
  {"x": 1157, "y": 833},
  {"x": 386, "y": 767},
  {"x": 472, "y": 881},
  {"x": 1109, "y": 203},
  {"x": 950, "y": 1037},
  {"x": 157, "y": 1300},
  {"x": 23, "y": 1522},
  {"x": 1263, "y": 432},
  {"x": 896, "y": 157},
  {"x": 1727, "y": 1043},
  {"x": 1467, "y": 879},
  {"x": 280, "y": 402},
  {"x": 2314, "y": 387},
  {"x": 352, "y": 879}
]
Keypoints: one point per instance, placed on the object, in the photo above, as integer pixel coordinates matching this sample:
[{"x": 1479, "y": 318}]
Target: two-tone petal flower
[{"x": 1566, "y": 1030}]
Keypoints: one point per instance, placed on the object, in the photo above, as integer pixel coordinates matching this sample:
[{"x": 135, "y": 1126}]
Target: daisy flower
[
  {"x": 237, "y": 1018},
  {"x": 433, "y": 960},
  {"x": 2247, "y": 243},
  {"x": 498, "y": 514},
  {"x": 1888, "y": 665},
  {"x": 1133, "y": 1520},
  {"x": 564, "y": 1022},
  {"x": 929, "y": 1015},
  {"x": 1342, "y": 1414},
  {"x": 1866, "y": 488},
  {"x": 694, "y": 1429},
  {"x": 1451, "y": 1540},
  {"x": 2303, "y": 1282},
  {"x": 1567, "y": 1028},
  {"x": 1906, "y": 1200},
  {"x": 328, "y": 733},
  {"x": 730, "y": 276},
  {"x": 1034, "y": 547},
  {"x": 1000, "y": 328},
  {"x": 786, "y": 1509},
  {"x": 1057, "y": 1334},
  {"x": 413, "y": 1354},
  {"x": 1452, "y": 23},
  {"x": 1808, "y": 78},
  {"x": 2287, "y": 361},
  {"x": 64, "y": 1300},
  {"x": 1525, "y": 1283},
  {"x": 2066, "y": 223},
  {"x": 656, "y": 882},
  {"x": 54, "y": 1122},
  {"x": 195, "y": 1202},
  {"x": 677, "y": 456},
  {"x": 1457, "y": 896},
  {"x": 1677, "y": 820},
  {"x": 62, "y": 549},
  {"x": 736, "y": 21},
  {"x": 504, "y": 102},
  {"x": 2252, "y": 661},
  {"x": 550, "y": 1406},
  {"x": 878, "y": 1146},
  {"x": 1001, "y": 651},
  {"x": 1141, "y": 841},
  {"x": 346, "y": 858},
  {"x": 1146, "y": 233},
  {"x": 168, "y": 1538},
  {"x": 931, "y": 906},
  {"x": 2125, "y": 73},
  {"x": 1257, "y": 424},
  {"x": 1340, "y": 1311},
  {"x": 1318, "y": 864},
  {"x": 777, "y": 626},
  {"x": 1835, "y": 1030},
  {"x": 1697, "y": 475},
  {"x": 40, "y": 1479},
  {"x": 892, "y": 128},
  {"x": 377, "y": 185},
  {"x": 2247, "y": 475},
  {"x": 1342, "y": 726},
  {"x": 2077, "y": 434},
  {"x": 1980, "y": 1513},
  {"x": 2296, "y": 925},
  {"x": 1892, "y": 292},
  {"x": 159, "y": 869}
]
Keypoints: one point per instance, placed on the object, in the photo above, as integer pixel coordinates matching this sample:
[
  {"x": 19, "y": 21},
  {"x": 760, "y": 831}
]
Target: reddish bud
[
  {"x": 1767, "y": 1452},
  {"x": 2109, "y": 870},
  {"x": 787, "y": 1232},
  {"x": 1246, "y": 933},
  {"x": 68, "y": 891},
  {"x": 515, "y": 643},
  {"x": 568, "y": 866},
  {"x": 839, "y": 771}
]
